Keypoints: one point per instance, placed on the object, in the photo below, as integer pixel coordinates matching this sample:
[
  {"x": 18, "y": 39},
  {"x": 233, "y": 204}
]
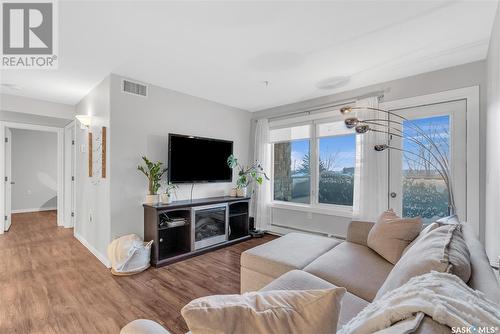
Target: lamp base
[{"x": 257, "y": 233}]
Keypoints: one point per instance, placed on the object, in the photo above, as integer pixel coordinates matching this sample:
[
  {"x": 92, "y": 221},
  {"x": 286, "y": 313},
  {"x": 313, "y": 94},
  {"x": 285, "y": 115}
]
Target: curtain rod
[{"x": 379, "y": 94}]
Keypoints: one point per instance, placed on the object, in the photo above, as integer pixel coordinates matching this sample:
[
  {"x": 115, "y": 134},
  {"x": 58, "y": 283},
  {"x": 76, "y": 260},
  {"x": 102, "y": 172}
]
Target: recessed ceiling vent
[{"x": 135, "y": 88}]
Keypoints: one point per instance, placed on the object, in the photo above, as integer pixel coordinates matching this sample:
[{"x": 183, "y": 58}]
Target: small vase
[
  {"x": 152, "y": 199},
  {"x": 234, "y": 192},
  {"x": 241, "y": 192},
  {"x": 166, "y": 198}
]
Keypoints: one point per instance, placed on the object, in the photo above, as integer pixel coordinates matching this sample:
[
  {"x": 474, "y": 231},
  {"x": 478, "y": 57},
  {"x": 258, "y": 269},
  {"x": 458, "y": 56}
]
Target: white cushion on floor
[{"x": 143, "y": 326}]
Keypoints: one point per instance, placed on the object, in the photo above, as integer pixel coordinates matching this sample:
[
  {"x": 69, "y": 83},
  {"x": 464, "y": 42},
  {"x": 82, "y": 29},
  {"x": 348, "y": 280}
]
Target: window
[
  {"x": 292, "y": 177},
  {"x": 424, "y": 190},
  {"x": 314, "y": 164},
  {"x": 291, "y": 164},
  {"x": 337, "y": 159},
  {"x": 416, "y": 188}
]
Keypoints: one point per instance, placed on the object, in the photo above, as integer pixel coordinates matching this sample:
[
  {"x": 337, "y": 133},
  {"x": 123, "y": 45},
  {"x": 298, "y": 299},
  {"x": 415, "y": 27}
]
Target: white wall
[
  {"x": 492, "y": 227},
  {"x": 34, "y": 170},
  {"x": 140, "y": 126},
  {"x": 92, "y": 217},
  {"x": 473, "y": 74},
  {"x": 112, "y": 207},
  {"x": 284, "y": 219}
]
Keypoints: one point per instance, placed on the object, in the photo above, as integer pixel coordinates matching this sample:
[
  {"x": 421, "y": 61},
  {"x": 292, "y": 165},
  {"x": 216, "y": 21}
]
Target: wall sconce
[{"x": 85, "y": 121}]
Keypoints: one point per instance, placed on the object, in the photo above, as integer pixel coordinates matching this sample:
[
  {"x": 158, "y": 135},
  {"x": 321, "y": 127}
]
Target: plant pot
[
  {"x": 166, "y": 198},
  {"x": 234, "y": 192},
  {"x": 242, "y": 192},
  {"x": 152, "y": 199}
]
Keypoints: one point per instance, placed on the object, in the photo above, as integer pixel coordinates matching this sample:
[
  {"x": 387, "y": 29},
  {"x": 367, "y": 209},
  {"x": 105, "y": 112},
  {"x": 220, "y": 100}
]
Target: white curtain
[
  {"x": 262, "y": 194},
  {"x": 371, "y": 174}
]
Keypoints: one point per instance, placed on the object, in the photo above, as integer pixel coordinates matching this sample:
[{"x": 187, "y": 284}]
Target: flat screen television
[{"x": 195, "y": 159}]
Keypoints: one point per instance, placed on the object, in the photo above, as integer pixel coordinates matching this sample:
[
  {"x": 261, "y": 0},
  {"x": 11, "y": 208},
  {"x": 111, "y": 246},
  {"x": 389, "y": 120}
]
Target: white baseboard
[
  {"x": 282, "y": 230},
  {"x": 33, "y": 210},
  {"x": 95, "y": 252}
]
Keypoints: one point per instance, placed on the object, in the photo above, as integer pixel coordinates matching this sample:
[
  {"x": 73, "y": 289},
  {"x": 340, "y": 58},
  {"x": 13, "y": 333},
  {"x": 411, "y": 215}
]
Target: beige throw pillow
[
  {"x": 442, "y": 249},
  {"x": 391, "y": 235},
  {"x": 307, "y": 311}
]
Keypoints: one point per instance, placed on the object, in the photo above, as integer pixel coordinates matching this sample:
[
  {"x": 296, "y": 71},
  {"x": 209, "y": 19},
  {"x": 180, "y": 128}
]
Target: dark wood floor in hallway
[{"x": 50, "y": 283}]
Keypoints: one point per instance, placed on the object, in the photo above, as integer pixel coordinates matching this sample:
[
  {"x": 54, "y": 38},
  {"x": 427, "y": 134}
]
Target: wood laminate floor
[{"x": 50, "y": 283}]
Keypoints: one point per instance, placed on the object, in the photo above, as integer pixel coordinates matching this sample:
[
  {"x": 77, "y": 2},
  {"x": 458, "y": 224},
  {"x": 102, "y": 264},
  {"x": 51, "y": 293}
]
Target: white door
[
  {"x": 73, "y": 172},
  {"x": 8, "y": 178},
  {"x": 69, "y": 175},
  {"x": 415, "y": 186}
]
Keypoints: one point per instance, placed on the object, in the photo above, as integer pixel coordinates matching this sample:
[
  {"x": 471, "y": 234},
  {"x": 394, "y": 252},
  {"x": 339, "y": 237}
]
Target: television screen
[{"x": 194, "y": 159}]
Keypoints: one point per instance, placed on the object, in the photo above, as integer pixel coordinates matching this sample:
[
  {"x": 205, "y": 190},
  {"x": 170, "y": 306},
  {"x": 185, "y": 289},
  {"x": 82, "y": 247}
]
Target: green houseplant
[
  {"x": 246, "y": 175},
  {"x": 154, "y": 172}
]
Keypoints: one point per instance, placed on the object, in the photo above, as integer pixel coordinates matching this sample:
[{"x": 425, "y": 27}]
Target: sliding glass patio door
[{"x": 415, "y": 186}]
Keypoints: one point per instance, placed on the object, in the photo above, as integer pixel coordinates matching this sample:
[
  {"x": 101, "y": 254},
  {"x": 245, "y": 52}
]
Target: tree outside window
[{"x": 292, "y": 178}]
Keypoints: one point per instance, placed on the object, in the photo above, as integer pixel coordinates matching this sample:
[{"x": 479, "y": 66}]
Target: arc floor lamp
[{"x": 391, "y": 125}]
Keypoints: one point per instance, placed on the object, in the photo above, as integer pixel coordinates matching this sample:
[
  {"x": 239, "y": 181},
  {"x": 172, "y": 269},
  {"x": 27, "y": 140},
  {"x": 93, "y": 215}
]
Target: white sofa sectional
[{"x": 300, "y": 261}]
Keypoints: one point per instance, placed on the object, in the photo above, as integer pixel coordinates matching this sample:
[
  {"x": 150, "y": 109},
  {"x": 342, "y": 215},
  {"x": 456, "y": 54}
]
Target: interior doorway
[
  {"x": 51, "y": 178},
  {"x": 8, "y": 179}
]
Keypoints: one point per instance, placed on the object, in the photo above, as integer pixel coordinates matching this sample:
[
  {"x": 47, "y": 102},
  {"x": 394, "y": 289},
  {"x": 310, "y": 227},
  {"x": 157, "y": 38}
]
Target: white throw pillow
[
  {"x": 442, "y": 249},
  {"x": 425, "y": 231},
  {"x": 306, "y": 311}
]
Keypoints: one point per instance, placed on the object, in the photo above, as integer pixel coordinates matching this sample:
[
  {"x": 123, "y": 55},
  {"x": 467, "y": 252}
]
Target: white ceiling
[{"x": 224, "y": 51}]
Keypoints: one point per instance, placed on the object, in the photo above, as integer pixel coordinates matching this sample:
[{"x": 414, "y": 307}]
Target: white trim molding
[
  {"x": 34, "y": 210},
  {"x": 471, "y": 96},
  {"x": 280, "y": 230},
  {"x": 2, "y": 177},
  {"x": 104, "y": 259},
  {"x": 69, "y": 174}
]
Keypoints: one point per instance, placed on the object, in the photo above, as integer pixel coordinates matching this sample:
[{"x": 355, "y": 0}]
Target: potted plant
[
  {"x": 168, "y": 192},
  {"x": 154, "y": 172},
  {"x": 254, "y": 173}
]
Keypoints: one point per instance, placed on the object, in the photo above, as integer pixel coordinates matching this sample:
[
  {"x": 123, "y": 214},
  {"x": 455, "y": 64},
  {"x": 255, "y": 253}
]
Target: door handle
[
  {"x": 12, "y": 182},
  {"x": 393, "y": 194}
]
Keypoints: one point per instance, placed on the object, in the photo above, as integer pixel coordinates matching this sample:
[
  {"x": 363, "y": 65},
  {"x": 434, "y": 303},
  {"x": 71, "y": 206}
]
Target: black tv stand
[{"x": 228, "y": 218}]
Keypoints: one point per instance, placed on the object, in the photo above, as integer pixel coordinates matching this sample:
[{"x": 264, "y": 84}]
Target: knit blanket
[{"x": 443, "y": 297}]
